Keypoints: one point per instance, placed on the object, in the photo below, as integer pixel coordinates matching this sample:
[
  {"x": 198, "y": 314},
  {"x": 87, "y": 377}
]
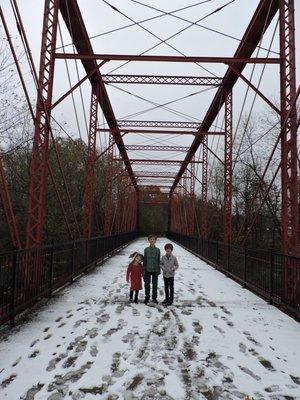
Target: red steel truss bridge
[{"x": 165, "y": 169}]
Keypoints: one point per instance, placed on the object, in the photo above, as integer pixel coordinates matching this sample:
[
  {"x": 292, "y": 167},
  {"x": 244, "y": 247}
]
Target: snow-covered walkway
[{"x": 218, "y": 341}]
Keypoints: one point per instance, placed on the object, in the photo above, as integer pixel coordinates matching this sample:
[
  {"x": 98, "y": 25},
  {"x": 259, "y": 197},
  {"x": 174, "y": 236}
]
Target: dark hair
[
  {"x": 136, "y": 253},
  {"x": 151, "y": 236},
  {"x": 169, "y": 246}
]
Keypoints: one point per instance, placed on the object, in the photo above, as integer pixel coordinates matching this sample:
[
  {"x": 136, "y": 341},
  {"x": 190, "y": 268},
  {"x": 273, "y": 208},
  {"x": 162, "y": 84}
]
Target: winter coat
[
  {"x": 169, "y": 265},
  {"x": 152, "y": 260},
  {"x": 134, "y": 276}
]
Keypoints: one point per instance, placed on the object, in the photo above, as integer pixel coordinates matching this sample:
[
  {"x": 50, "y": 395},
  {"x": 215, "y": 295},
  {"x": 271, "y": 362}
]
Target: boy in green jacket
[{"x": 151, "y": 268}]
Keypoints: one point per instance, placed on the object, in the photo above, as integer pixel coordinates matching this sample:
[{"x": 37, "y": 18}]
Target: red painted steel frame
[
  {"x": 163, "y": 80},
  {"x": 158, "y": 124},
  {"x": 289, "y": 207},
  {"x": 73, "y": 19},
  {"x": 157, "y": 131},
  {"x": 137, "y": 147},
  {"x": 203, "y": 215},
  {"x": 38, "y": 170},
  {"x": 260, "y": 21},
  {"x": 108, "y": 188},
  {"x": 90, "y": 164},
  {"x": 179, "y": 59},
  {"x": 136, "y": 161},
  {"x": 228, "y": 168}
]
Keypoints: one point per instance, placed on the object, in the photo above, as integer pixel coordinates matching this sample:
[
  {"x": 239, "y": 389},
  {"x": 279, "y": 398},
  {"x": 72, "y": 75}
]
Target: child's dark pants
[
  {"x": 147, "y": 278},
  {"x": 169, "y": 289},
  {"x": 136, "y": 295}
]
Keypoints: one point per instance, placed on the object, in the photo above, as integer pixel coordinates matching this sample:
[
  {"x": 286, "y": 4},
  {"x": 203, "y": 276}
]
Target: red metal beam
[
  {"x": 108, "y": 201},
  {"x": 256, "y": 90},
  {"x": 203, "y": 211},
  {"x": 289, "y": 189},
  {"x": 73, "y": 19},
  {"x": 164, "y": 132},
  {"x": 158, "y": 124},
  {"x": 260, "y": 21},
  {"x": 156, "y": 148},
  {"x": 163, "y": 80},
  {"x": 160, "y": 162},
  {"x": 38, "y": 169},
  {"x": 228, "y": 169},
  {"x": 90, "y": 164},
  {"x": 77, "y": 85},
  {"x": 155, "y": 173},
  {"x": 169, "y": 59}
]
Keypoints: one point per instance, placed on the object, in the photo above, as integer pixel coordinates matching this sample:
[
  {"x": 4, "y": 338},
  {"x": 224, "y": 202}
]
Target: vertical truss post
[
  {"x": 90, "y": 166},
  {"x": 170, "y": 213},
  {"x": 8, "y": 209},
  {"x": 119, "y": 205},
  {"x": 228, "y": 168},
  {"x": 137, "y": 212},
  {"x": 203, "y": 214},
  {"x": 289, "y": 218},
  {"x": 38, "y": 170},
  {"x": 108, "y": 187},
  {"x": 192, "y": 199}
]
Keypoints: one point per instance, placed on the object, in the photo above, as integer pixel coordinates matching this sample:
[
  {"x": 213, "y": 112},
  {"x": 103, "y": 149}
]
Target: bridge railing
[
  {"x": 27, "y": 276},
  {"x": 272, "y": 275}
]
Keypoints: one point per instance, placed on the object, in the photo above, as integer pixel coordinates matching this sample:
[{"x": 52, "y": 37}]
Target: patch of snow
[{"x": 218, "y": 341}]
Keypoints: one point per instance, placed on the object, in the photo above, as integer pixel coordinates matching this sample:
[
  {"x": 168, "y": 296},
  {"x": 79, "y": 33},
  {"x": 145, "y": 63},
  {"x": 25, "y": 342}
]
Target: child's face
[
  {"x": 152, "y": 240},
  {"x": 168, "y": 251},
  {"x": 138, "y": 259}
]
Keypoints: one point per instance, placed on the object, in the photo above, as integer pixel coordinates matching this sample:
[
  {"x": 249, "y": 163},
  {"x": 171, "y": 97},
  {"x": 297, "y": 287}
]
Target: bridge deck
[{"x": 218, "y": 341}]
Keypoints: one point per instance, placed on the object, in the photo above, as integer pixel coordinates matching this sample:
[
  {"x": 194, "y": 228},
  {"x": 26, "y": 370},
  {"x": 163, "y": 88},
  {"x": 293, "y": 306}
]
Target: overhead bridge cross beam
[
  {"x": 156, "y": 148},
  {"x": 122, "y": 123},
  {"x": 163, "y": 80},
  {"x": 160, "y": 162},
  {"x": 154, "y": 174},
  {"x": 175, "y": 59},
  {"x": 161, "y": 132}
]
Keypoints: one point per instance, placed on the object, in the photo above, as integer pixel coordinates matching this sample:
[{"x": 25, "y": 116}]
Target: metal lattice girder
[
  {"x": 158, "y": 124},
  {"x": 289, "y": 207},
  {"x": 38, "y": 169},
  {"x": 108, "y": 188},
  {"x": 154, "y": 174},
  {"x": 163, "y": 80},
  {"x": 169, "y": 59},
  {"x": 161, "y": 132},
  {"x": 90, "y": 164},
  {"x": 228, "y": 169},
  {"x": 156, "y": 148},
  {"x": 203, "y": 221},
  {"x": 259, "y": 23},
  {"x": 74, "y": 22},
  {"x": 159, "y": 162}
]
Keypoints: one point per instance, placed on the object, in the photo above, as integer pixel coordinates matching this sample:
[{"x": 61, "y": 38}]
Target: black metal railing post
[
  {"x": 51, "y": 270},
  {"x": 73, "y": 262},
  {"x": 271, "y": 276},
  {"x": 13, "y": 286},
  {"x": 245, "y": 267}
]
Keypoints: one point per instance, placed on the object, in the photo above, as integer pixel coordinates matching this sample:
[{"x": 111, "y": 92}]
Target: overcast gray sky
[{"x": 101, "y": 18}]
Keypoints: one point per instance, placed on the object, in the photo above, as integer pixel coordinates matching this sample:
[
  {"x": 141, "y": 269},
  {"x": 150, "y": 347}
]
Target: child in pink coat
[{"x": 134, "y": 276}]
